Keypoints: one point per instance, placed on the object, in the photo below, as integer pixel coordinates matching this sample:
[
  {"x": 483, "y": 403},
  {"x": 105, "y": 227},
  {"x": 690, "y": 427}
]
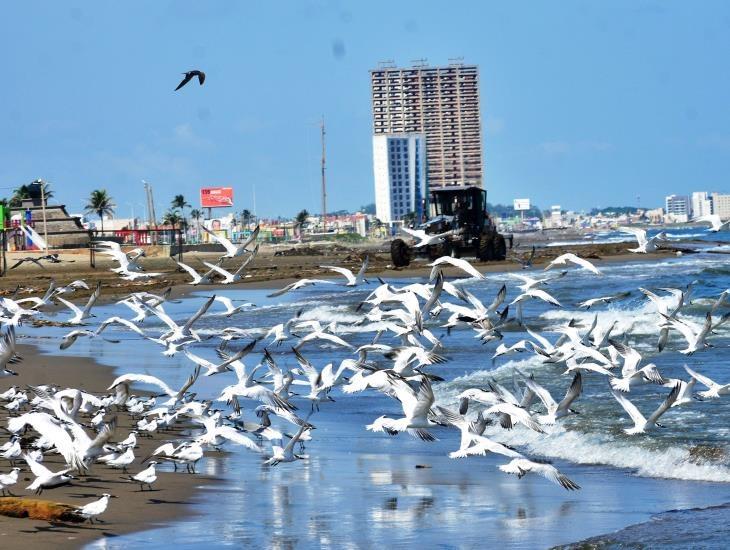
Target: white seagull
[
  {"x": 642, "y": 424},
  {"x": 564, "y": 259}
]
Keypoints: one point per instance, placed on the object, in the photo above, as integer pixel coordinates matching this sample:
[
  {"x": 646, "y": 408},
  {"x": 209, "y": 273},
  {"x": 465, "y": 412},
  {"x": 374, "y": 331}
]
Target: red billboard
[{"x": 216, "y": 197}]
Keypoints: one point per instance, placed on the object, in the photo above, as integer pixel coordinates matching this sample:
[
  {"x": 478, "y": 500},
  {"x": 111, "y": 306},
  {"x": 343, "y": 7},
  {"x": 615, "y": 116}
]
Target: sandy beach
[
  {"x": 172, "y": 496},
  {"x": 276, "y": 265}
]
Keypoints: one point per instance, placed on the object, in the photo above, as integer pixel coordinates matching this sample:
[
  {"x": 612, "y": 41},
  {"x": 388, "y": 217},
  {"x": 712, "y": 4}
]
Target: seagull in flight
[
  {"x": 455, "y": 262},
  {"x": 522, "y": 466},
  {"x": 714, "y": 390},
  {"x": 189, "y": 76},
  {"x": 352, "y": 280},
  {"x": 715, "y": 222},
  {"x": 425, "y": 239},
  {"x": 301, "y": 283},
  {"x": 642, "y": 424},
  {"x": 233, "y": 251},
  {"x": 80, "y": 315},
  {"x": 564, "y": 259},
  {"x": 644, "y": 245}
]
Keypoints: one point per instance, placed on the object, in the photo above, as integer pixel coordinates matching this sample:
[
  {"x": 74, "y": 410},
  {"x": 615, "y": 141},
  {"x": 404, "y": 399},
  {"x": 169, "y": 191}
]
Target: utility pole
[
  {"x": 151, "y": 217},
  {"x": 324, "y": 181},
  {"x": 43, "y": 205}
]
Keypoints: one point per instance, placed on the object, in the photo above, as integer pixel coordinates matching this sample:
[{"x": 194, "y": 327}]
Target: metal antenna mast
[{"x": 324, "y": 182}]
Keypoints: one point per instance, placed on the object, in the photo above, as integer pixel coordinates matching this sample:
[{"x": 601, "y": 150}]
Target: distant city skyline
[{"x": 583, "y": 104}]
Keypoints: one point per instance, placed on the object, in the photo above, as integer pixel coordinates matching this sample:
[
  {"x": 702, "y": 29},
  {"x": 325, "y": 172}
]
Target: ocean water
[
  {"x": 359, "y": 489},
  {"x": 675, "y": 236}
]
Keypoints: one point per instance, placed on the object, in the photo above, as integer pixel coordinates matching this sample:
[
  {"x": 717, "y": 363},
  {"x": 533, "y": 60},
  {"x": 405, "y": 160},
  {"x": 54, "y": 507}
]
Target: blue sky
[{"x": 583, "y": 103}]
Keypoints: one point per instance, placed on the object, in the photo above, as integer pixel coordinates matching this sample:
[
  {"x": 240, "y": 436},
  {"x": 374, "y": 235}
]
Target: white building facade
[
  {"x": 701, "y": 204},
  {"x": 677, "y": 208},
  {"x": 399, "y": 169}
]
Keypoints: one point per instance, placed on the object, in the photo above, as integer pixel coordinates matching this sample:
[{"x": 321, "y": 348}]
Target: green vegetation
[{"x": 100, "y": 203}]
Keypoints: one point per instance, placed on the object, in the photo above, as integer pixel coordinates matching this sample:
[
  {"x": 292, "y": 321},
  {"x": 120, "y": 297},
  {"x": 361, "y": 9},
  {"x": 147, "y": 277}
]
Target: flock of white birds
[{"x": 265, "y": 413}]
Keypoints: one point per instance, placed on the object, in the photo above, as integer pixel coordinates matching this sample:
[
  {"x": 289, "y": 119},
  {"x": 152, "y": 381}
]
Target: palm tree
[
  {"x": 30, "y": 191},
  {"x": 100, "y": 203},
  {"x": 179, "y": 202},
  {"x": 302, "y": 216},
  {"x": 172, "y": 217},
  {"x": 300, "y": 219},
  {"x": 246, "y": 216}
]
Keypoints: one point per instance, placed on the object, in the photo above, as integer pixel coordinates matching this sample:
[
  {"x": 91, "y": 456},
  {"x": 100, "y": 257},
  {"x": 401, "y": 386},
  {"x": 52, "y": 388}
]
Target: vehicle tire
[
  {"x": 399, "y": 253},
  {"x": 485, "y": 252},
  {"x": 499, "y": 248}
]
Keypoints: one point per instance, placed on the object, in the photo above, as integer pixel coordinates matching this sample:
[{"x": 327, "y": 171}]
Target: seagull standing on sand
[
  {"x": 146, "y": 477},
  {"x": 94, "y": 509},
  {"x": 8, "y": 480}
]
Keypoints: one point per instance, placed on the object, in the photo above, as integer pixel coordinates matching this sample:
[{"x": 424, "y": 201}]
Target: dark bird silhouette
[
  {"x": 189, "y": 76},
  {"x": 51, "y": 258}
]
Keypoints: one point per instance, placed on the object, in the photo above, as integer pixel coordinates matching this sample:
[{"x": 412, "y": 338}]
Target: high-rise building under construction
[{"x": 441, "y": 103}]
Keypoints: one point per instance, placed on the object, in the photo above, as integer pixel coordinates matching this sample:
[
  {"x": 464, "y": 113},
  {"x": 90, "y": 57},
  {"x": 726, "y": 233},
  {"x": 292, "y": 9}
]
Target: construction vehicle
[{"x": 458, "y": 225}]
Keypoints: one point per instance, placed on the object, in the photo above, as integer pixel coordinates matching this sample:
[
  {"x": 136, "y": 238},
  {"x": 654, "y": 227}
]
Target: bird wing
[
  {"x": 542, "y": 295},
  {"x": 188, "y": 383},
  {"x": 550, "y": 472},
  {"x": 542, "y": 394},
  {"x": 198, "y": 314},
  {"x": 656, "y": 300},
  {"x": 576, "y": 386},
  {"x": 228, "y": 245},
  {"x": 583, "y": 263},
  {"x": 191, "y": 271},
  {"x": 69, "y": 305},
  {"x": 248, "y": 260},
  {"x": 281, "y": 291},
  {"x": 48, "y": 427},
  {"x": 666, "y": 404},
  {"x": 143, "y": 379},
  {"x": 93, "y": 298},
  {"x": 188, "y": 78},
  {"x": 342, "y": 271},
  {"x": 251, "y": 238},
  {"x": 629, "y": 407},
  {"x": 683, "y": 328},
  {"x": 640, "y": 234},
  {"x": 218, "y": 269},
  {"x": 704, "y": 380},
  {"x": 237, "y": 437}
]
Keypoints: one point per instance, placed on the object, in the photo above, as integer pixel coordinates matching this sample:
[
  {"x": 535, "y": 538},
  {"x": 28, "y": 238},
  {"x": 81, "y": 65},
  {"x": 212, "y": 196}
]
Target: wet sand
[
  {"x": 276, "y": 266},
  {"x": 172, "y": 496}
]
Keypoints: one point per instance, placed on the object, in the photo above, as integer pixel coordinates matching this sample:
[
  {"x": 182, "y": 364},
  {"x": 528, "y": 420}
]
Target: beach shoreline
[
  {"x": 172, "y": 496},
  {"x": 270, "y": 271}
]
